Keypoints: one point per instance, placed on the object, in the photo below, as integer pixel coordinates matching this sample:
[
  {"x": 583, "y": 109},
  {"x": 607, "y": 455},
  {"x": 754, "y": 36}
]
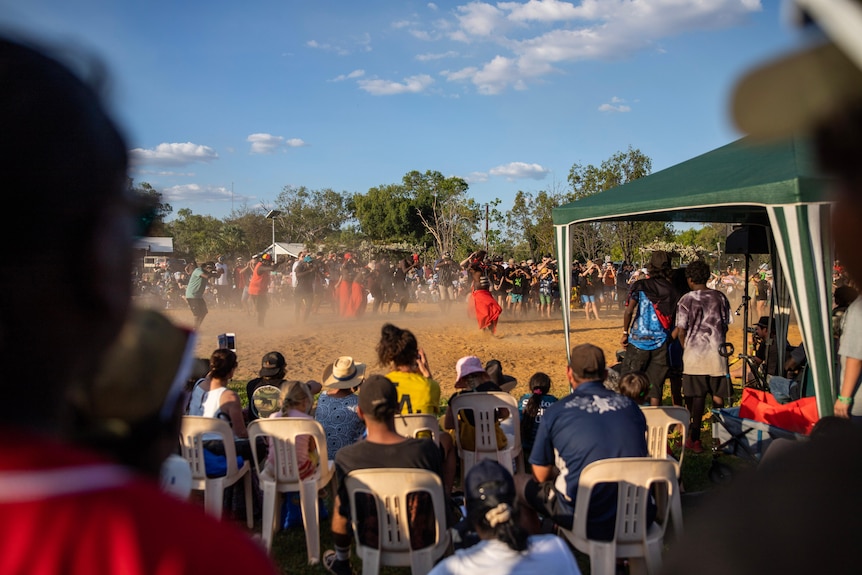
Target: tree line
[{"x": 428, "y": 213}]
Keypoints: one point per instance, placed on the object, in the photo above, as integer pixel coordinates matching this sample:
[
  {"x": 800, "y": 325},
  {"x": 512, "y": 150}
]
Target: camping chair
[
  {"x": 383, "y": 531},
  {"x": 283, "y": 476},
  {"x": 661, "y": 420},
  {"x": 633, "y": 539},
  {"x": 418, "y": 425},
  {"x": 194, "y": 429},
  {"x": 484, "y": 405}
]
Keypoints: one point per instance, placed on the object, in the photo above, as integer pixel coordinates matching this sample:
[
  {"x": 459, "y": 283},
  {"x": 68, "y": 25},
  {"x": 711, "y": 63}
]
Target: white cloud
[
  {"x": 432, "y": 6},
  {"x": 476, "y": 177},
  {"x": 520, "y": 171},
  {"x": 187, "y": 193},
  {"x": 264, "y": 143},
  {"x": 411, "y": 85},
  {"x": 267, "y": 143},
  {"x": 173, "y": 154},
  {"x": 537, "y": 37},
  {"x": 615, "y": 105},
  {"x": 440, "y": 56},
  {"x": 351, "y": 76}
]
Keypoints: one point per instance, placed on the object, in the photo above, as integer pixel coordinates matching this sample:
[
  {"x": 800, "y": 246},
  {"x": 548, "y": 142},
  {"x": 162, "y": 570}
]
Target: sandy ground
[{"x": 523, "y": 345}]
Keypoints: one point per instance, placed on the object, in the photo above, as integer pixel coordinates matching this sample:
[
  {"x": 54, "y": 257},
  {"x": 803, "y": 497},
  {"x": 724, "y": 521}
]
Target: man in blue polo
[{"x": 589, "y": 424}]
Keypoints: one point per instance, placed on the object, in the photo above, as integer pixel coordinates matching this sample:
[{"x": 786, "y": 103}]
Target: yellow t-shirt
[{"x": 416, "y": 393}]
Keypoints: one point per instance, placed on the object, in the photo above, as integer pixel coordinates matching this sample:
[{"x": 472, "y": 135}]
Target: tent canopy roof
[{"x": 731, "y": 184}]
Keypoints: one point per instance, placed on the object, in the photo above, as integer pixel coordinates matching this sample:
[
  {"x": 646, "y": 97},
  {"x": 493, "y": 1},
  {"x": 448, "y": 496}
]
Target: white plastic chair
[
  {"x": 283, "y": 476},
  {"x": 661, "y": 420},
  {"x": 175, "y": 476},
  {"x": 192, "y": 431},
  {"x": 633, "y": 539},
  {"x": 484, "y": 405},
  {"x": 390, "y": 488},
  {"x": 418, "y": 425}
]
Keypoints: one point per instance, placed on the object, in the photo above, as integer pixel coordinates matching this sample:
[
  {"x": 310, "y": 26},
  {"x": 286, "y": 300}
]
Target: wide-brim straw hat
[{"x": 344, "y": 373}]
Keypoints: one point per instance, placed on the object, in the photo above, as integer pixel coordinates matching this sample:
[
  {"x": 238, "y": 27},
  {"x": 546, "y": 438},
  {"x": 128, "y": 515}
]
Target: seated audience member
[
  {"x": 589, "y": 424},
  {"x": 384, "y": 447},
  {"x": 296, "y": 402},
  {"x": 273, "y": 368},
  {"x": 472, "y": 377},
  {"x": 504, "y": 381},
  {"x": 635, "y": 386},
  {"x": 532, "y": 406},
  {"x": 68, "y": 507},
  {"x": 505, "y": 547},
  {"x": 418, "y": 392},
  {"x": 336, "y": 406}
]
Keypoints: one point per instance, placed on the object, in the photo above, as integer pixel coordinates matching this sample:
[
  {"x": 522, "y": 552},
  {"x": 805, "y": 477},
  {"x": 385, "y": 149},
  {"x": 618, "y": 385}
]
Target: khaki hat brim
[
  {"x": 332, "y": 382},
  {"x": 793, "y": 94}
]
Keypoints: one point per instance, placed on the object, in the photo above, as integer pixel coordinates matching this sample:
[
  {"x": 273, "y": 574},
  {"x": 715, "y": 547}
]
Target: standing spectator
[
  {"x": 258, "y": 286},
  {"x": 196, "y": 289},
  {"x": 384, "y": 447},
  {"x": 222, "y": 285},
  {"x": 623, "y": 275},
  {"x": 447, "y": 274},
  {"x": 589, "y": 424},
  {"x": 702, "y": 318},
  {"x": 66, "y": 507},
  {"x": 849, "y": 401},
  {"x": 609, "y": 285},
  {"x": 336, "y": 406},
  {"x": 399, "y": 281},
  {"x": 647, "y": 324},
  {"x": 590, "y": 284},
  {"x": 303, "y": 294},
  {"x": 505, "y": 547},
  {"x": 240, "y": 277}
]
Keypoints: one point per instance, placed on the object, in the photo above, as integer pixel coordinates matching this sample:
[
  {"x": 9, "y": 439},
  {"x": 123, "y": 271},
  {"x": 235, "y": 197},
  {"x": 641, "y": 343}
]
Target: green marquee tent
[{"x": 776, "y": 186}]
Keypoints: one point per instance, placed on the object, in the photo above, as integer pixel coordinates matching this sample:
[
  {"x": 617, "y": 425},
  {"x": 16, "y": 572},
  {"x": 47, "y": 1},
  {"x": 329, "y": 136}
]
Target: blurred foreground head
[
  {"x": 817, "y": 91},
  {"x": 65, "y": 297}
]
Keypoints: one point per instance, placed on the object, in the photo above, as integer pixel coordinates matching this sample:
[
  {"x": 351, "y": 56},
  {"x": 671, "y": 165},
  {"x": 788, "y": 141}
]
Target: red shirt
[{"x": 65, "y": 510}]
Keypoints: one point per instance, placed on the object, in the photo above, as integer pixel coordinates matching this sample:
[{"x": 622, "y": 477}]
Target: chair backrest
[
  {"x": 404, "y": 534},
  {"x": 418, "y": 425},
  {"x": 484, "y": 406},
  {"x": 192, "y": 431},
  {"x": 635, "y": 476},
  {"x": 661, "y": 421},
  {"x": 284, "y": 431},
  {"x": 176, "y": 476}
]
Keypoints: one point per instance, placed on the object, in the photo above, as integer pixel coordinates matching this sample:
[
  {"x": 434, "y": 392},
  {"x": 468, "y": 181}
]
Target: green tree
[
  {"x": 386, "y": 213},
  {"x": 310, "y": 216},
  {"x": 156, "y": 210},
  {"x": 198, "y": 237},
  {"x": 628, "y": 237}
]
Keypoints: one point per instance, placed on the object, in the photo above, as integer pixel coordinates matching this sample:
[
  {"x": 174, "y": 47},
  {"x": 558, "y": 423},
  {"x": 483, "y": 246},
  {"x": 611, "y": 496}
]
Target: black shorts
[
  {"x": 198, "y": 305},
  {"x": 703, "y": 385},
  {"x": 545, "y": 500}
]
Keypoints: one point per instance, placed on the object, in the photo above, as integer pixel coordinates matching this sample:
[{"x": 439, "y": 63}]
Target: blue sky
[{"x": 225, "y": 103}]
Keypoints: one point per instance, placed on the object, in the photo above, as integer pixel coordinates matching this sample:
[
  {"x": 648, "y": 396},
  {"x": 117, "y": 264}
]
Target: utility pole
[{"x": 486, "y": 227}]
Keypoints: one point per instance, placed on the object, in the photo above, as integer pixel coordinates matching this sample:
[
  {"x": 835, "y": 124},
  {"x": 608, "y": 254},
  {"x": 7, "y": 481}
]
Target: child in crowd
[
  {"x": 635, "y": 385},
  {"x": 532, "y": 406},
  {"x": 297, "y": 402}
]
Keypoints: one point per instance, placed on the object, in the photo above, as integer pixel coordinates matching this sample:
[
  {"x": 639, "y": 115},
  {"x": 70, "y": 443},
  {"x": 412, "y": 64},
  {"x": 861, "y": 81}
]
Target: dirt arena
[{"x": 523, "y": 345}]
